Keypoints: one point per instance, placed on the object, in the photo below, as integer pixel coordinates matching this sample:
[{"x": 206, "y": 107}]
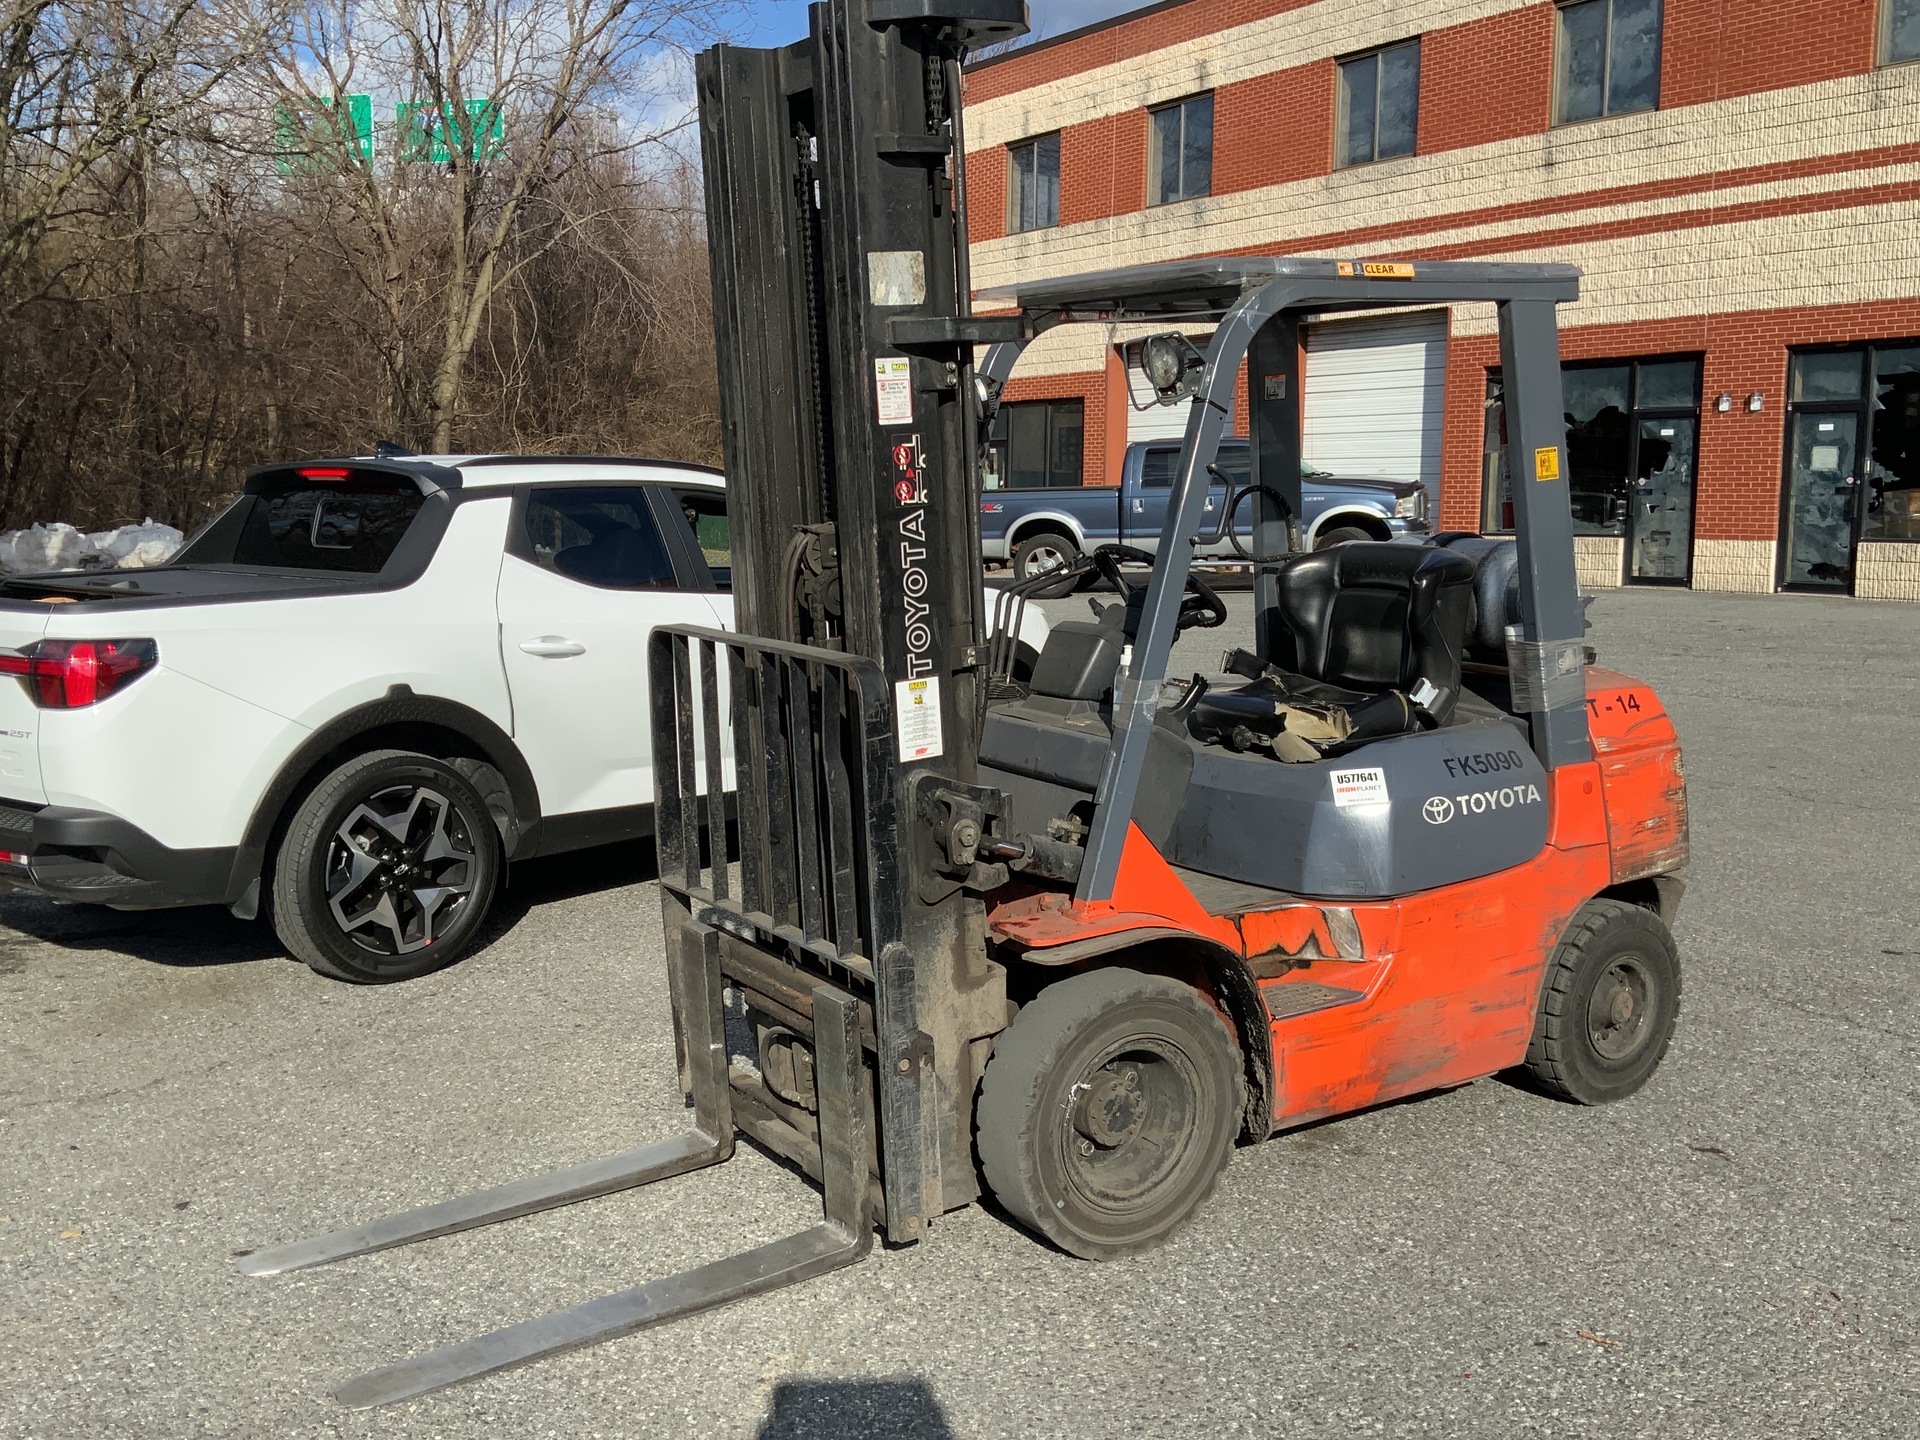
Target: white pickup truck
[{"x": 356, "y": 695}]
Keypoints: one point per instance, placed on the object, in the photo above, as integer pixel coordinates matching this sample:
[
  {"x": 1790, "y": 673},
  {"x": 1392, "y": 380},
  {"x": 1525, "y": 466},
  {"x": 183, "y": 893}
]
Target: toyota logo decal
[{"x": 1438, "y": 810}]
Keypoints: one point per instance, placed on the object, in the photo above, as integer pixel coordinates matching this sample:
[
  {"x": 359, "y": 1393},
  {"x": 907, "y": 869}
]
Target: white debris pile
[{"x": 41, "y": 548}]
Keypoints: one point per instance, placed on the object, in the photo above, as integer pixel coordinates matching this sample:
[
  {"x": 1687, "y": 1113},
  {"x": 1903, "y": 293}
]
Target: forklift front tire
[
  {"x": 1607, "y": 1006},
  {"x": 1109, "y": 1110}
]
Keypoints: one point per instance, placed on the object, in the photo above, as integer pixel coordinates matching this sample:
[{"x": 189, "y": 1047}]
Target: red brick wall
[
  {"x": 1738, "y": 476},
  {"x": 1482, "y": 81},
  {"x": 1142, "y": 36},
  {"x": 1487, "y": 80},
  {"x": 1095, "y": 394},
  {"x": 1103, "y": 167},
  {"x": 987, "y": 194},
  {"x": 1712, "y": 49},
  {"x": 1274, "y": 128}
]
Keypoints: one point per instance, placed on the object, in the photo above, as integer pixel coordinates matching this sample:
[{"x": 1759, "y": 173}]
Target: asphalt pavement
[{"x": 1733, "y": 1252}]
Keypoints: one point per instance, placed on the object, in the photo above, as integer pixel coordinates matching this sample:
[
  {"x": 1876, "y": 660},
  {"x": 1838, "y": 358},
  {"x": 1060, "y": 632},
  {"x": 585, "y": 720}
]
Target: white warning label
[
  {"x": 916, "y": 718},
  {"x": 893, "y": 390},
  {"x": 1359, "y": 787}
]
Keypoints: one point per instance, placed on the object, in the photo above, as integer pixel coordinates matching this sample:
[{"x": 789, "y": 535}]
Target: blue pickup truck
[{"x": 1038, "y": 530}]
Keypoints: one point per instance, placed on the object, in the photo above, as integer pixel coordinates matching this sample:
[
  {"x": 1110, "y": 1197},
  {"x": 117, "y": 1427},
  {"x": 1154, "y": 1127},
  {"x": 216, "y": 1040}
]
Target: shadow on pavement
[
  {"x": 207, "y": 935},
  {"x": 872, "y": 1409},
  {"x": 188, "y": 939}
]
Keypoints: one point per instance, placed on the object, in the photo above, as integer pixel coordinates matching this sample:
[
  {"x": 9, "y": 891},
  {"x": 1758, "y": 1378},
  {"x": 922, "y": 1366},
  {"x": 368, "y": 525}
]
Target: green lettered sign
[
  {"x": 426, "y": 134},
  {"x": 308, "y": 137}
]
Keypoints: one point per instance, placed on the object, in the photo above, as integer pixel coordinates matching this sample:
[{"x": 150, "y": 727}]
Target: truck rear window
[{"x": 351, "y": 525}]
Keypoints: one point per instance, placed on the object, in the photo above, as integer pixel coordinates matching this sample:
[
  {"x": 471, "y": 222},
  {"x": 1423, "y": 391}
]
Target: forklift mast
[{"x": 837, "y": 224}]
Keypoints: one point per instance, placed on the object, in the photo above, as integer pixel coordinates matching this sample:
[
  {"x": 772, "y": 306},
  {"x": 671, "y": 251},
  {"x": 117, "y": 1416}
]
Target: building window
[
  {"x": 1852, "y": 459},
  {"x": 1899, "y": 31},
  {"x": 1379, "y": 104},
  {"x": 1607, "y": 59},
  {"x": 1033, "y": 184},
  {"x": 1033, "y": 444},
  {"x": 1180, "y": 151},
  {"x": 1630, "y": 438}
]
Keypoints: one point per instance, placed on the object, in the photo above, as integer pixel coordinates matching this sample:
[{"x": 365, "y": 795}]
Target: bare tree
[
  {"x": 211, "y": 269},
  {"x": 79, "y": 81},
  {"x": 495, "y": 101}
]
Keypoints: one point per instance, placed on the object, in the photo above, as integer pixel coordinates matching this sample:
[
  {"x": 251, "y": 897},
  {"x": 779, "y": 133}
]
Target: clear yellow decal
[{"x": 1386, "y": 269}]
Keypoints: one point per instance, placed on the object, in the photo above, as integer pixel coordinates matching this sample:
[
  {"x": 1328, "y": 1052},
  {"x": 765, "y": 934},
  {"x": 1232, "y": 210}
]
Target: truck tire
[
  {"x": 1048, "y": 550},
  {"x": 1340, "y": 536},
  {"x": 1108, "y": 1111},
  {"x": 1607, "y": 1005},
  {"x": 386, "y": 870}
]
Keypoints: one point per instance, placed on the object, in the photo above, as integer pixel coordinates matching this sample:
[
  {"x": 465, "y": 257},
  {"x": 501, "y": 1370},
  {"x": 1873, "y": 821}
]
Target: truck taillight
[{"x": 69, "y": 674}]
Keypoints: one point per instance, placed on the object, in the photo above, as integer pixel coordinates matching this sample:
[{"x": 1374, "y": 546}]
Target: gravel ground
[{"x": 1734, "y": 1252}]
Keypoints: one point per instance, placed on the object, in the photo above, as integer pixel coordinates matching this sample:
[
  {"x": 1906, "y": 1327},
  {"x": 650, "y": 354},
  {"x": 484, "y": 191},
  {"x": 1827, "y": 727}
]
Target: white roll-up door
[
  {"x": 1375, "y": 396},
  {"x": 1158, "y": 422}
]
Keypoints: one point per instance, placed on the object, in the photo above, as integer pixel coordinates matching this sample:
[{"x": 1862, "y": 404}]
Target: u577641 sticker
[{"x": 1360, "y": 787}]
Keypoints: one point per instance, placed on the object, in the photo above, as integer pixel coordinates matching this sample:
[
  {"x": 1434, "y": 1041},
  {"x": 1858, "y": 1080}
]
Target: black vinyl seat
[
  {"x": 1373, "y": 632},
  {"x": 1496, "y": 590}
]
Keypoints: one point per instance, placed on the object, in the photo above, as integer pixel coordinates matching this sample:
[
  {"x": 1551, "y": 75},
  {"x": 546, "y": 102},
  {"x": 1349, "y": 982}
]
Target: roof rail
[{"x": 587, "y": 460}]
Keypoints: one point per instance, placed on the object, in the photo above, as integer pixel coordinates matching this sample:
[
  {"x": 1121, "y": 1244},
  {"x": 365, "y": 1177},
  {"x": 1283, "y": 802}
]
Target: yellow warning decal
[
  {"x": 1343, "y": 267},
  {"x": 1546, "y": 463},
  {"x": 1386, "y": 269}
]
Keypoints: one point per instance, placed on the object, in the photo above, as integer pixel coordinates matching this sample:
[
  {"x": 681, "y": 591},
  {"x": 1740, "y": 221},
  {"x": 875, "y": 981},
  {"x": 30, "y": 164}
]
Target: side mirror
[{"x": 1170, "y": 364}]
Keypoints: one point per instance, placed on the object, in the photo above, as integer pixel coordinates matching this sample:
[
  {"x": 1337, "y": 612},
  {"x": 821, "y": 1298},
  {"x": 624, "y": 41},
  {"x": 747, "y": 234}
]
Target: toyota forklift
[{"x": 939, "y": 932}]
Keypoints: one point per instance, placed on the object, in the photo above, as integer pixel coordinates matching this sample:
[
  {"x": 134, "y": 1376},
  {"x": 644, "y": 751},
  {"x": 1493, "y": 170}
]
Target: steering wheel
[{"x": 1200, "y": 607}]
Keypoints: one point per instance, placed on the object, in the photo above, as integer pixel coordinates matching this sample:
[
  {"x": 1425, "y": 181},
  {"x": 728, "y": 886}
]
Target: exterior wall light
[
  {"x": 1756, "y": 402},
  {"x": 1723, "y": 402}
]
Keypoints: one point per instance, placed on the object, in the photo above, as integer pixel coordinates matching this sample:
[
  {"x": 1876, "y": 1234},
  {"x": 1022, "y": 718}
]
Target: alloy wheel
[{"x": 400, "y": 868}]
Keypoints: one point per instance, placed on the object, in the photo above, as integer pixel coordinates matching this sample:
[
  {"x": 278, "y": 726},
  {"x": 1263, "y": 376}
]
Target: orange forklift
[{"x": 943, "y": 927}]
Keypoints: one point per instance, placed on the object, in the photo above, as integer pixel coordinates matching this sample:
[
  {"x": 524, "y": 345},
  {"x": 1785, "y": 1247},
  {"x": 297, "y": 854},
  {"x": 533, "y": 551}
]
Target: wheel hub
[
  {"x": 399, "y": 869},
  {"x": 1618, "y": 1011},
  {"x": 1111, "y": 1110}
]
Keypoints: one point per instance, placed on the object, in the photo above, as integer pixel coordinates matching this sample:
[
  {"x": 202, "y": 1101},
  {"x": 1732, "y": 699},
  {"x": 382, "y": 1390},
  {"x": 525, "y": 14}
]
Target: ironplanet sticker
[{"x": 1359, "y": 787}]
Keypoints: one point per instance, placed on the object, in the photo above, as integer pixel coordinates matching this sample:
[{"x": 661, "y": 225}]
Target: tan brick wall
[
  {"x": 1887, "y": 570},
  {"x": 1597, "y": 560},
  {"x": 1740, "y": 567}
]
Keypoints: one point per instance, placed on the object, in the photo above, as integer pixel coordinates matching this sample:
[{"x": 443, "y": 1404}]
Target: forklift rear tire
[
  {"x": 1108, "y": 1111},
  {"x": 1608, "y": 1004}
]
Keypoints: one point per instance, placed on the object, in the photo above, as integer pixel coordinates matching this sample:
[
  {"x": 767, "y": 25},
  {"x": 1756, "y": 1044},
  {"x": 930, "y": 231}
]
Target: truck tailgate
[{"x": 21, "y": 625}]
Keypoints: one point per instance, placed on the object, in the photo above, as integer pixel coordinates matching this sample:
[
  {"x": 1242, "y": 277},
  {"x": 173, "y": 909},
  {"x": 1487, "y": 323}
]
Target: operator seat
[{"x": 1372, "y": 633}]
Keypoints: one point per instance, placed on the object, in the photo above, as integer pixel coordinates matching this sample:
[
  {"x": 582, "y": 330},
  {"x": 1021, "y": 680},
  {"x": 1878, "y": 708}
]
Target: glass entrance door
[
  {"x": 1822, "y": 491},
  {"x": 1661, "y": 502}
]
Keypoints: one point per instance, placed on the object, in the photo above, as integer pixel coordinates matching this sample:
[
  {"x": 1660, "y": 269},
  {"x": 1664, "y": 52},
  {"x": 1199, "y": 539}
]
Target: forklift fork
[{"x": 843, "y": 1236}]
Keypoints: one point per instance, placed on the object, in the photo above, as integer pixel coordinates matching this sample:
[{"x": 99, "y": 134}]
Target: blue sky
[{"x": 776, "y": 22}]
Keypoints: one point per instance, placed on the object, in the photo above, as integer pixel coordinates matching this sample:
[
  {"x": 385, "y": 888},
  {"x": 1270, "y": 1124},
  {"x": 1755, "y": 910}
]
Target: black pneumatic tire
[
  {"x": 389, "y": 826},
  {"x": 1340, "y": 537},
  {"x": 1607, "y": 1006},
  {"x": 1059, "y": 1078},
  {"x": 1031, "y": 557}
]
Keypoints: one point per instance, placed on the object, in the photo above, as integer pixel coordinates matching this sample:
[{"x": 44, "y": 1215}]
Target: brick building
[{"x": 1739, "y": 180}]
